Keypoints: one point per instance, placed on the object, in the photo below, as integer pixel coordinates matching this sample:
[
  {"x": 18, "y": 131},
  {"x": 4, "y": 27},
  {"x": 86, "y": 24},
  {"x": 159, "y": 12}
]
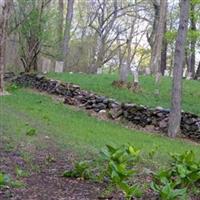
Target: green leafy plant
[
  {"x": 119, "y": 169},
  {"x": 21, "y": 173},
  {"x": 186, "y": 169},
  {"x": 31, "y": 132},
  {"x": 175, "y": 182},
  {"x": 81, "y": 170},
  {"x": 50, "y": 159},
  {"x": 12, "y": 87},
  {"x": 130, "y": 191},
  {"x": 153, "y": 151},
  {"x": 166, "y": 188},
  {"x": 4, "y": 179}
]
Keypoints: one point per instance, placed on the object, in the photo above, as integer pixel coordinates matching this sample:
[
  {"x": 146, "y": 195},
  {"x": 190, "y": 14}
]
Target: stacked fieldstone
[{"x": 154, "y": 119}]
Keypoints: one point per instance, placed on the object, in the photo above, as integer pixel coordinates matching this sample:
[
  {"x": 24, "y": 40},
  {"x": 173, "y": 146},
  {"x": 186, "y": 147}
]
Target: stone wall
[{"x": 155, "y": 119}]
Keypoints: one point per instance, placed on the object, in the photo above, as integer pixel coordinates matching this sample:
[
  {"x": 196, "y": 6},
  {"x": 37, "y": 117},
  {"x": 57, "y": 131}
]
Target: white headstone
[
  {"x": 59, "y": 66},
  {"x": 147, "y": 71},
  {"x": 46, "y": 65},
  {"x": 134, "y": 71},
  {"x": 184, "y": 72},
  {"x": 99, "y": 71},
  {"x": 166, "y": 72}
]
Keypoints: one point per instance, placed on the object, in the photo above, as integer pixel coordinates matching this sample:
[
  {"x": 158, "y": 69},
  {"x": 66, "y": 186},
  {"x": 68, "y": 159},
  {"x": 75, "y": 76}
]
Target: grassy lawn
[
  {"x": 74, "y": 129},
  {"x": 101, "y": 84}
]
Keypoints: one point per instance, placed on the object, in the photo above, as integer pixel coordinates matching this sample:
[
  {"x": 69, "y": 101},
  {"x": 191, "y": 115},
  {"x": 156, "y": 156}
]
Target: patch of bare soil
[{"x": 43, "y": 180}]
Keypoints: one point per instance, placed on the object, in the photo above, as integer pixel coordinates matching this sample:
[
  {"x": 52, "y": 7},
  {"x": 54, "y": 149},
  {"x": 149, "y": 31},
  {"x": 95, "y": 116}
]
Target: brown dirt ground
[{"x": 43, "y": 181}]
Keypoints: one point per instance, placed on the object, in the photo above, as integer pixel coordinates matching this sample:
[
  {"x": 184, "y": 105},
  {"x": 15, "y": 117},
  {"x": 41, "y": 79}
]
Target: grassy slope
[
  {"x": 73, "y": 129},
  {"x": 102, "y": 85}
]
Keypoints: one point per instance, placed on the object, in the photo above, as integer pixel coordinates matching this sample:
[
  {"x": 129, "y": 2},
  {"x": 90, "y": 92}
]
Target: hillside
[{"x": 102, "y": 84}]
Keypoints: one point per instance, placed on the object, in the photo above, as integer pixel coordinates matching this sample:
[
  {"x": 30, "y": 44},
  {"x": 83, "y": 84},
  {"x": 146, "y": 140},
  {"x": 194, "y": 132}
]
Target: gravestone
[
  {"x": 184, "y": 72},
  {"x": 99, "y": 71},
  {"x": 166, "y": 72},
  {"x": 59, "y": 66},
  {"x": 46, "y": 65},
  {"x": 134, "y": 72},
  {"x": 147, "y": 71}
]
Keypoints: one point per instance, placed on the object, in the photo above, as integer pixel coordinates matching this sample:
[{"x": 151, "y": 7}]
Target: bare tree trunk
[
  {"x": 68, "y": 22},
  {"x": 60, "y": 28},
  {"x": 164, "y": 53},
  {"x": 124, "y": 67},
  {"x": 100, "y": 54},
  {"x": 155, "y": 64},
  {"x": 197, "y": 75},
  {"x": 123, "y": 71},
  {"x": 5, "y": 6},
  {"x": 104, "y": 24},
  {"x": 151, "y": 38},
  {"x": 175, "y": 113},
  {"x": 193, "y": 42}
]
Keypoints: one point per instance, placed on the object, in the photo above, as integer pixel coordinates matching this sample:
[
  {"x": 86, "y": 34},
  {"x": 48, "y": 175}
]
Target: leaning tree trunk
[
  {"x": 68, "y": 22},
  {"x": 4, "y": 15},
  {"x": 175, "y": 113}
]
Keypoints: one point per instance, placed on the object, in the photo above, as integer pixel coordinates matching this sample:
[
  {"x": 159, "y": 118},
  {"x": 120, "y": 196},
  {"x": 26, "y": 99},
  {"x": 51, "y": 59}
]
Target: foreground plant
[
  {"x": 119, "y": 168},
  {"x": 182, "y": 175},
  {"x": 81, "y": 170},
  {"x": 116, "y": 167},
  {"x": 6, "y": 180}
]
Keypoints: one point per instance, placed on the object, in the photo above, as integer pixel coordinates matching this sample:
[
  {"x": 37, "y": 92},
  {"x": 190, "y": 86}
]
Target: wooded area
[{"x": 130, "y": 40}]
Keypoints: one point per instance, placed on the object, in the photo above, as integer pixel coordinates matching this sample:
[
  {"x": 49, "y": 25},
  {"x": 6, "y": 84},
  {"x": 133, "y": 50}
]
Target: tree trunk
[
  {"x": 175, "y": 113},
  {"x": 100, "y": 53},
  {"x": 4, "y": 15},
  {"x": 193, "y": 41},
  {"x": 155, "y": 64},
  {"x": 151, "y": 38},
  {"x": 164, "y": 53},
  {"x": 68, "y": 22},
  {"x": 60, "y": 28},
  {"x": 123, "y": 71},
  {"x": 197, "y": 75}
]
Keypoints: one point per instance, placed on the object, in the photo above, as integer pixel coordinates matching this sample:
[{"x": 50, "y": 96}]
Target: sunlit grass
[
  {"x": 75, "y": 130},
  {"x": 101, "y": 84}
]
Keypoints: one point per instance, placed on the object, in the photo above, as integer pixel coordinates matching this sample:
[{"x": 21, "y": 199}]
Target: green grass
[
  {"x": 74, "y": 130},
  {"x": 101, "y": 84}
]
